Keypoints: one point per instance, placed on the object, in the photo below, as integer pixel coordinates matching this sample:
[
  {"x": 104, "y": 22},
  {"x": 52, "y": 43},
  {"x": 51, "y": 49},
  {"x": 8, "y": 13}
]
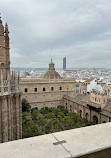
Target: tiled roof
[
  {"x": 51, "y": 74},
  {"x": 108, "y": 107},
  {"x": 94, "y": 104}
]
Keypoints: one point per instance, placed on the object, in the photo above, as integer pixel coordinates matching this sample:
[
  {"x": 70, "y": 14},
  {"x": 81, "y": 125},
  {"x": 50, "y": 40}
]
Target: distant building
[
  {"x": 64, "y": 63},
  {"x": 47, "y": 90},
  {"x": 95, "y": 107},
  {"x": 78, "y": 87},
  {"x": 51, "y": 74}
]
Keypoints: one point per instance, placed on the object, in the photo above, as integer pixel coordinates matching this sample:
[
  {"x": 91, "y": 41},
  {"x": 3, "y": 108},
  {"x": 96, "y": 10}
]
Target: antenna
[{"x": 51, "y": 59}]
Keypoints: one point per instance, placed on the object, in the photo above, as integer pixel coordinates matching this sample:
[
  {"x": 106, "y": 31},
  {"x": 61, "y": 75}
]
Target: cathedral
[
  {"x": 10, "y": 96},
  {"x": 47, "y": 91}
]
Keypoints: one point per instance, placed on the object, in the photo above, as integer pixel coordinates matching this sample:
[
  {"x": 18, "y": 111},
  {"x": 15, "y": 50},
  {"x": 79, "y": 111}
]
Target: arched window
[
  {"x": 95, "y": 119},
  {"x": 52, "y": 88},
  {"x": 66, "y": 105},
  {"x": 35, "y": 89},
  {"x": 44, "y": 89},
  {"x": 80, "y": 113},
  {"x": 60, "y": 88},
  {"x": 86, "y": 116},
  {"x": 70, "y": 107},
  {"x": 26, "y": 90}
]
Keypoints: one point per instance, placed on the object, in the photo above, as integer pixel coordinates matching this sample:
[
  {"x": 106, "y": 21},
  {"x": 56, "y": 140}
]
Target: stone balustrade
[
  {"x": 9, "y": 86},
  {"x": 86, "y": 142}
]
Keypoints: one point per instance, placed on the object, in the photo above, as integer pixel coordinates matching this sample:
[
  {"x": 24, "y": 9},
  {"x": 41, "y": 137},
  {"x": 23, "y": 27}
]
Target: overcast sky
[{"x": 77, "y": 29}]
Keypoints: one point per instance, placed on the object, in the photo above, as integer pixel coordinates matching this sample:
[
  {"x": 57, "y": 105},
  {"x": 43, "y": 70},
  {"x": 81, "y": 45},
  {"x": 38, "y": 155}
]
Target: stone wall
[
  {"x": 98, "y": 98},
  {"x": 48, "y": 97},
  {"x": 84, "y": 111},
  {"x": 10, "y": 126}
]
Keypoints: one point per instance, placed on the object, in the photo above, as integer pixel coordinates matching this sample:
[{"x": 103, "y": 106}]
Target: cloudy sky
[{"x": 77, "y": 29}]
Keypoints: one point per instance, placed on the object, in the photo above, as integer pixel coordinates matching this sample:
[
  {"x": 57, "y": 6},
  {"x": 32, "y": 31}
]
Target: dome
[{"x": 51, "y": 74}]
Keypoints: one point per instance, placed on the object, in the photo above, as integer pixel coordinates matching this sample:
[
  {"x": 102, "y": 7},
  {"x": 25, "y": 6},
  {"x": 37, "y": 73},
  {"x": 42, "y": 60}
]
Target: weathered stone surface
[
  {"x": 46, "y": 98},
  {"x": 87, "y": 142},
  {"x": 36, "y": 147},
  {"x": 10, "y": 104}
]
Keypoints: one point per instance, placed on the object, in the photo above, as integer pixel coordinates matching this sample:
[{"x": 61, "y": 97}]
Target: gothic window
[
  {"x": 35, "y": 89},
  {"x": 44, "y": 89},
  {"x": 26, "y": 90},
  {"x": 60, "y": 88},
  {"x": 52, "y": 88}
]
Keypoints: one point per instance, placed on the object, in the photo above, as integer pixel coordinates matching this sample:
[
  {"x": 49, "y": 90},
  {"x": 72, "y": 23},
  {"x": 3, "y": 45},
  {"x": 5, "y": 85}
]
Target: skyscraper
[{"x": 64, "y": 63}]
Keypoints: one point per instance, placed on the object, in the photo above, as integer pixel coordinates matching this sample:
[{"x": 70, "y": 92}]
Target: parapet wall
[{"x": 86, "y": 142}]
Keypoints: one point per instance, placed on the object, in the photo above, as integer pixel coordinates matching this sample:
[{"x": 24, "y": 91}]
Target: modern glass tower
[{"x": 64, "y": 63}]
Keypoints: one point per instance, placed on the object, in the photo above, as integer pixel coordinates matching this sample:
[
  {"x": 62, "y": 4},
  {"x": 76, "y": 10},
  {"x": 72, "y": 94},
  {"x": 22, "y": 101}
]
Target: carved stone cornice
[
  {"x": 4, "y": 64},
  {"x": 2, "y": 46}
]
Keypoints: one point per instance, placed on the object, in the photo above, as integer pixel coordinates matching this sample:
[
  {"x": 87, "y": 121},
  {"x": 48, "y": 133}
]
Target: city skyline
[{"x": 77, "y": 29}]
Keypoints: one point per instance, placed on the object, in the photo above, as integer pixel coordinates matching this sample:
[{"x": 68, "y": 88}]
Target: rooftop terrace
[{"x": 87, "y": 142}]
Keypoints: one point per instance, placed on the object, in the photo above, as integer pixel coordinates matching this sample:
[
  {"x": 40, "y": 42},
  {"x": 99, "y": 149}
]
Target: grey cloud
[{"x": 41, "y": 29}]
